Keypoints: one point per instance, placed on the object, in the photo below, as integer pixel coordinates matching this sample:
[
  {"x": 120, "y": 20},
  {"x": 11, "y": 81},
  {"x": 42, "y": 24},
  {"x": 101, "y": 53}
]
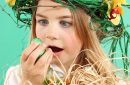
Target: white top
[
  {"x": 14, "y": 73},
  {"x": 13, "y": 76}
]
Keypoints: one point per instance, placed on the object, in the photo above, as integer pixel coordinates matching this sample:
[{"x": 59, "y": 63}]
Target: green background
[{"x": 14, "y": 40}]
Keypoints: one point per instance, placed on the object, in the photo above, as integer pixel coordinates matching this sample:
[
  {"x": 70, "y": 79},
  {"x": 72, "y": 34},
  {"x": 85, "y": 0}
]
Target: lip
[
  {"x": 57, "y": 54},
  {"x": 56, "y": 50}
]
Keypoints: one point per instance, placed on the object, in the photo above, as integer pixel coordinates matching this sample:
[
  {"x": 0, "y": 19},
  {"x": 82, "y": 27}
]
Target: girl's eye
[
  {"x": 43, "y": 22},
  {"x": 65, "y": 24}
]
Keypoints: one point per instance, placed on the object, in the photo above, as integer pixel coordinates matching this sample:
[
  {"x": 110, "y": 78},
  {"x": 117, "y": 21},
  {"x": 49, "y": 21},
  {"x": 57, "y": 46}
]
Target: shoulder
[{"x": 13, "y": 75}]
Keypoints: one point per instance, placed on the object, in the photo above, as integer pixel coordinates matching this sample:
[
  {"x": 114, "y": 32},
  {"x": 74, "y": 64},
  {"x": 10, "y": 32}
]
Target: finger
[
  {"x": 45, "y": 59},
  {"x": 49, "y": 59},
  {"x": 28, "y": 51},
  {"x": 35, "y": 54},
  {"x": 42, "y": 53},
  {"x": 47, "y": 64}
]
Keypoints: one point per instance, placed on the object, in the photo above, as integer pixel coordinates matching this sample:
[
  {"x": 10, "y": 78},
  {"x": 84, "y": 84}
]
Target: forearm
[{"x": 31, "y": 82}]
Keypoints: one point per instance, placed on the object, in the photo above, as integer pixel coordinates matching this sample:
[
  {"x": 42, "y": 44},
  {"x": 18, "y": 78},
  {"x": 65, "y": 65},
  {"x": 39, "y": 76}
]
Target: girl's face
[{"x": 54, "y": 26}]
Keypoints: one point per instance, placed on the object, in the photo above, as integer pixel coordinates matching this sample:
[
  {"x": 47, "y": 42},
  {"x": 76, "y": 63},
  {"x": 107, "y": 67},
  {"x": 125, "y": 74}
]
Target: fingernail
[{"x": 37, "y": 40}]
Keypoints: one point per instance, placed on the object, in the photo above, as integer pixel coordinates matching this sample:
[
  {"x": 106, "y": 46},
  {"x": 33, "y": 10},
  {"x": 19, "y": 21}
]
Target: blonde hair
[
  {"x": 89, "y": 38},
  {"x": 94, "y": 54}
]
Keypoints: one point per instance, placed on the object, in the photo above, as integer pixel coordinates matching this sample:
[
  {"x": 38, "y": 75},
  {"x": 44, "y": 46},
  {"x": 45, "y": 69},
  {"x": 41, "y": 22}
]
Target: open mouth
[{"x": 55, "y": 49}]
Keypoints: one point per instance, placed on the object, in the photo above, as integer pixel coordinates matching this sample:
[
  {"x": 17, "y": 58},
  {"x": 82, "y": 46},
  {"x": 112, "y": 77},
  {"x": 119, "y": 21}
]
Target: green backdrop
[{"x": 13, "y": 40}]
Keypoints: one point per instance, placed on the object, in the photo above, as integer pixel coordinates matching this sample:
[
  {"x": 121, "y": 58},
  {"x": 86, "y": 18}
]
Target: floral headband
[{"x": 108, "y": 13}]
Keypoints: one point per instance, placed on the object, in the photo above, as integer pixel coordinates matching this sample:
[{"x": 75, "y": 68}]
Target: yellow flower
[
  {"x": 115, "y": 10},
  {"x": 117, "y": 19},
  {"x": 11, "y": 2},
  {"x": 118, "y": 3}
]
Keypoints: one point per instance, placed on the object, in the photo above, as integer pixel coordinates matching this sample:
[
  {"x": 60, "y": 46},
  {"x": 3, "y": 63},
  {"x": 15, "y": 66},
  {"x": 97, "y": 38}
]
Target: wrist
[
  {"x": 26, "y": 82},
  {"x": 30, "y": 82}
]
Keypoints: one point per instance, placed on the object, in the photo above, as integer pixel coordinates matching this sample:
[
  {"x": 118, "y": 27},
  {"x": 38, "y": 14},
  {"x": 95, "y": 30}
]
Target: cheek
[
  {"x": 39, "y": 33},
  {"x": 73, "y": 44}
]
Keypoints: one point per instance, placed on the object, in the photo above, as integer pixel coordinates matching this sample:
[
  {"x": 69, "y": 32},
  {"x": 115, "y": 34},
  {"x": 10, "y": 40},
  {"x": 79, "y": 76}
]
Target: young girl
[{"x": 64, "y": 50}]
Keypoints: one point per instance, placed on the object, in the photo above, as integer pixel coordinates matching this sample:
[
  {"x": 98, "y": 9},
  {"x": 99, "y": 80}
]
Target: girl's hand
[{"x": 32, "y": 71}]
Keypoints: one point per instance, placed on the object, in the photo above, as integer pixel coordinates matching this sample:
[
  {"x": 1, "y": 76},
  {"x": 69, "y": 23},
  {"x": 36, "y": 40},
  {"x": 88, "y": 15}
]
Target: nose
[{"x": 52, "y": 33}]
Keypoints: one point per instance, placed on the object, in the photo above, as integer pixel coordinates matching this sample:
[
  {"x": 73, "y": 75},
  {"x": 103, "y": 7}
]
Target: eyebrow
[
  {"x": 39, "y": 15},
  {"x": 60, "y": 17}
]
